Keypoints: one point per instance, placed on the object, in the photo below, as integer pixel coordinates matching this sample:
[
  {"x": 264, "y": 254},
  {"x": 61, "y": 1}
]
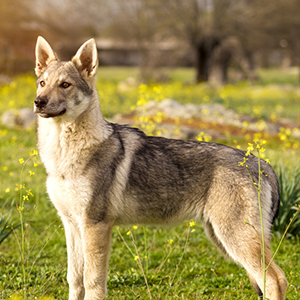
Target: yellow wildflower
[{"x": 192, "y": 223}]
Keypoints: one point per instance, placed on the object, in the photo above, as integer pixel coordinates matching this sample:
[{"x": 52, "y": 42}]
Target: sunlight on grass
[{"x": 258, "y": 100}]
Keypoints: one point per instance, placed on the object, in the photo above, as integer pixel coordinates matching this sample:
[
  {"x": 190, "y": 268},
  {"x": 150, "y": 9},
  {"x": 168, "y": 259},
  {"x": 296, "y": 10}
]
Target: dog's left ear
[
  {"x": 86, "y": 59},
  {"x": 44, "y": 55}
]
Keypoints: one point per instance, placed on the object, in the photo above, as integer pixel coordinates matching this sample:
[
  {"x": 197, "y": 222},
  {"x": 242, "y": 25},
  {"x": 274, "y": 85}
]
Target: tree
[
  {"x": 203, "y": 24},
  {"x": 281, "y": 23},
  {"x": 67, "y": 23},
  {"x": 70, "y": 22},
  {"x": 14, "y": 35},
  {"x": 134, "y": 24}
]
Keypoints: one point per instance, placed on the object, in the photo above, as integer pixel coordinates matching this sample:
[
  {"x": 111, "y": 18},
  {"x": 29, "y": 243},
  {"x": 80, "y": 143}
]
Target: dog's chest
[
  {"x": 69, "y": 196},
  {"x": 65, "y": 156},
  {"x": 64, "y": 152},
  {"x": 68, "y": 188}
]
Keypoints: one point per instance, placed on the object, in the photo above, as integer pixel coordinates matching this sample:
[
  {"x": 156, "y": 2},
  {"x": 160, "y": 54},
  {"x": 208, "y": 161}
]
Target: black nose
[{"x": 40, "y": 102}]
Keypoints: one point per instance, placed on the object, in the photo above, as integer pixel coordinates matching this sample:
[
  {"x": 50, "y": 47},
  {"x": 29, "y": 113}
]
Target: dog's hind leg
[
  {"x": 246, "y": 251},
  {"x": 225, "y": 224},
  {"x": 276, "y": 283},
  {"x": 242, "y": 243},
  {"x": 211, "y": 234},
  {"x": 209, "y": 231},
  {"x": 75, "y": 259},
  {"x": 255, "y": 286}
]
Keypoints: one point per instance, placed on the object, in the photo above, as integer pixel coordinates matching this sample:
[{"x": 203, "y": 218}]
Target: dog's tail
[
  {"x": 275, "y": 201},
  {"x": 275, "y": 190}
]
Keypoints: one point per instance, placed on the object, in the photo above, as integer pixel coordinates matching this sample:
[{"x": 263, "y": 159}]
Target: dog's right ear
[
  {"x": 43, "y": 55},
  {"x": 86, "y": 59}
]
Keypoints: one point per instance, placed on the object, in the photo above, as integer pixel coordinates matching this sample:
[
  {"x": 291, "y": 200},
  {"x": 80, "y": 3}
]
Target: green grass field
[{"x": 179, "y": 262}]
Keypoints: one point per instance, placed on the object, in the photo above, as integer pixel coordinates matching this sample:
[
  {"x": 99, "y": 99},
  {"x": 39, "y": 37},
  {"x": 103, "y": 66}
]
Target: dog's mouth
[
  {"x": 49, "y": 113},
  {"x": 49, "y": 109}
]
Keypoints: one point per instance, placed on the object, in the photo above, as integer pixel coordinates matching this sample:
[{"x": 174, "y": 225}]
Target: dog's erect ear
[
  {"x": 43, "y": 55},
  {"x": 86, "y": 59}
]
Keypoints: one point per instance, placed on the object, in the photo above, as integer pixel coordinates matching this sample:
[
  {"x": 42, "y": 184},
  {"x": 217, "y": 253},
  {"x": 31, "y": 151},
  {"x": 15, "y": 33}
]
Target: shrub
[
  {"x": 5, "y": 227},
  {"x": 289, "y": 182}
]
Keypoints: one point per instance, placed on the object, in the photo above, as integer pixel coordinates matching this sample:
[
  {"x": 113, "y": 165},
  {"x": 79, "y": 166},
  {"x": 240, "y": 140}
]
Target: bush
[
  {"x": 289, "y": 182},
  {"x": 6, "y": 228}
]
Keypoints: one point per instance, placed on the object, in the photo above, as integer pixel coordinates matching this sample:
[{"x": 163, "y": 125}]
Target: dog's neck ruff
[
  {"x": 59, "y": 138},
  {"x": 90, "y": 125}
]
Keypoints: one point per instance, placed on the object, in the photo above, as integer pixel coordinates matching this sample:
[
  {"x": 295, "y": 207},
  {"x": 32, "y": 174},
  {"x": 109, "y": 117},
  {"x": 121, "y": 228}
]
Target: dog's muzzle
[
  {"x": 44, "y": 109},
  {"x": 40, "y": 102}
]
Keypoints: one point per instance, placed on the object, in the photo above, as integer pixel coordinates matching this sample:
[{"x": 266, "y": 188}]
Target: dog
[{"x": 101, "y": 174}]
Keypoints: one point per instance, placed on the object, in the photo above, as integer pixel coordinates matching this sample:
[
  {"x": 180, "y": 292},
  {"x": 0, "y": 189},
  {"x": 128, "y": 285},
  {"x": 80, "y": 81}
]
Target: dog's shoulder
[{"x": 125, "y": 131}]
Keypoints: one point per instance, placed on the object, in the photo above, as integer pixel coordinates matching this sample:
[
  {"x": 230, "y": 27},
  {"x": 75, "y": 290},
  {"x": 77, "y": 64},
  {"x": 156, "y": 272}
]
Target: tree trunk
[
  {"x": 250, "y": 69},
  {"x": 225, "y": 60},
  {"x": 224, "y": 73},
  {"x": 202, "y": 65},
  {"x": 204, "y": 52}
]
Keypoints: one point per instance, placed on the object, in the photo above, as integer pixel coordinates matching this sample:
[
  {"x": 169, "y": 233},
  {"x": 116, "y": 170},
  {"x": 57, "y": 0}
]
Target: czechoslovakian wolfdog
[{"x": 101, "y": 174}]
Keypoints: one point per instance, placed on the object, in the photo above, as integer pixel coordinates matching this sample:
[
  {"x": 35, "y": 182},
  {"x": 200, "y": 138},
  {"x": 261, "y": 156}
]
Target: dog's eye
[
  {"x": 42, "y": 83},
  {"x": 65, "y": 85}
]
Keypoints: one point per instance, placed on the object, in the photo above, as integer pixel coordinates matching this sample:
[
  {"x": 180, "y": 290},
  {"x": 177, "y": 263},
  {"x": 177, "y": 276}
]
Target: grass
[
  {"x": 273, "y": 76},
  {"x": 179, "y": 263},
  {"x": 279, "y": 100},
  {"x": 203, "y": 272}
]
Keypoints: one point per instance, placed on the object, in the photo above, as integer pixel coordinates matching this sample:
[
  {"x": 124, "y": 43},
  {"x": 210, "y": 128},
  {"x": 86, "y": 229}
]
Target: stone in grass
[{"x": 24, "y": 118}]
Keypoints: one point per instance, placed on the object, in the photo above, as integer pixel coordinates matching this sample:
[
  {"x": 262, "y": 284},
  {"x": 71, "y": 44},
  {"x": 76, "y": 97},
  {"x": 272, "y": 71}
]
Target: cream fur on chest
[{"x": 64, "y": 150}]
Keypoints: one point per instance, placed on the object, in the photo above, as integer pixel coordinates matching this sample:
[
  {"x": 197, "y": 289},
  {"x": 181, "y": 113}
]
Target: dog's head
[{"x": 64, "y": 88}]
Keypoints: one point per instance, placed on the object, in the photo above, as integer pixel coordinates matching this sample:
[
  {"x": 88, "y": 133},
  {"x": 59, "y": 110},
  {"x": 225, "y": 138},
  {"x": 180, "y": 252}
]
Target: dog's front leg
[
  {"x": 75, "y": 260},
  {"x": 96, "y": 237}
]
